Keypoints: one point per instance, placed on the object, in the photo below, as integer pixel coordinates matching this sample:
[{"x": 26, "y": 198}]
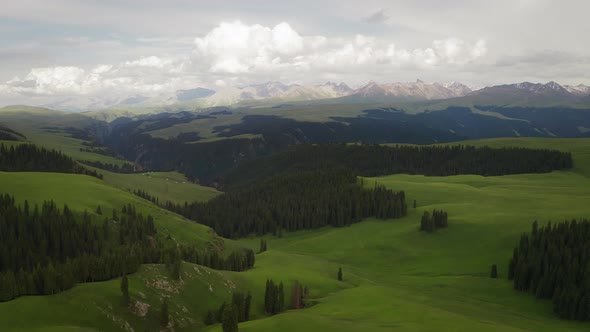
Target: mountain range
[{"x": 277, "y": 92}]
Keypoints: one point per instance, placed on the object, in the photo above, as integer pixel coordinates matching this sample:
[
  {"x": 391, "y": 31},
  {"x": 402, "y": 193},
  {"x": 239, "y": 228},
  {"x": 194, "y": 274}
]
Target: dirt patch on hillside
[{"x": 139, "y": 308}]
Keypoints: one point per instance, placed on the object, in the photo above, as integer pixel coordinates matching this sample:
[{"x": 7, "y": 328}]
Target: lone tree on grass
[
  {"x": 494, "y": 272},
  {"x": 229, "y": 319},
  {"x": 125, "y": 289},
  {"x": 340, "y": 274},
  {"x": 164, "y": 319}
]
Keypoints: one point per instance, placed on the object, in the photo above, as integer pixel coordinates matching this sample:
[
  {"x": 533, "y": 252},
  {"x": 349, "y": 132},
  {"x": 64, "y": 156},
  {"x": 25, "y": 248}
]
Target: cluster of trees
[
  {"x": 375, "y": 160},
  {"x": 143, "y": 194},
  {"x": 30, "y": 158},
  {"x": 45, "y": 250},
  {"x": 431, "y": 222},
  {"x": 238, "y": 260},
  {"x": 274, "y": 297},
  {"x": 552, "y": 263},
  {"x": 126, "y": 168},
  {"x": 292, "y": 202},
  {"x": 232, "y": 313}
]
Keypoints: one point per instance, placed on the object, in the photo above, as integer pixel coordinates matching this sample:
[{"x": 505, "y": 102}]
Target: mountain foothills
[{"x": 399, "y": 206}]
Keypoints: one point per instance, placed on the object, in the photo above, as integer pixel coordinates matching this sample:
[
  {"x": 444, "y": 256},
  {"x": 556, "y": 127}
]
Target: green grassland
[
  {"x": 395, "y": 277},
  {"x": 166, "y": 186}
]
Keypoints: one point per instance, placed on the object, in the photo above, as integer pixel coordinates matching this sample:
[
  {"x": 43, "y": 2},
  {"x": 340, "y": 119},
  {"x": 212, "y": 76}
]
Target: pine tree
[
  {"x": 281, "y": 298},
  {"x": 247, "y": 305},
  {"x": 210, "y": 318},
  {"x": 229, "y": 321},
  {"x": 340, "y": 274},
  {"x": 164, "y": 318},
  {"x": 494, "y": 272},
  {"x": 125, "y": 289}
]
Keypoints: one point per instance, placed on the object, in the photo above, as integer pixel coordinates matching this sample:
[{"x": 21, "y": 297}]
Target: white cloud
[
  {"x": 234, "y": 47},
  {"x": 237, "y": 52}
]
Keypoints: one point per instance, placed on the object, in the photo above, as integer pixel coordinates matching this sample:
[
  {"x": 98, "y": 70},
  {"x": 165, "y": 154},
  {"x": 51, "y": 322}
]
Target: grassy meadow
[{"x": 395, "y": 277}]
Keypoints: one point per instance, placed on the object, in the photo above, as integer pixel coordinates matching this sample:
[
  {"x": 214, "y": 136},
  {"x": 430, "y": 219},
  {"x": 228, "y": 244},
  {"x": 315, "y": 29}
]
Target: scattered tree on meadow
[
  {"x": 247, "y": 306},
  {"x": 297, "y": 295},
  {"x": 262, "y": 246},
  {"x": 494, "y": 272},
  {"x": 274, "y": 298},
  {"x": 229, "y": 320},
  {"x": 414, "y": 204},
  {"x": 125, "y": 289},
  {"x": 431, "y": 222},
  {"x": 164, "y": 317},
  {"x": 339, "y": 274},
  {"x": 210, "y": 318},
  {"x": 99, "y": 210}
]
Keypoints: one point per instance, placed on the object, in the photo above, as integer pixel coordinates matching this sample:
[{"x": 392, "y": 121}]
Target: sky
[{"x": 57, "y": 49}]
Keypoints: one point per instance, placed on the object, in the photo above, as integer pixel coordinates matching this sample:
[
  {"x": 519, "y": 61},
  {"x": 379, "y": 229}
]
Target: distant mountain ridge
[{"x": 199, "y": 97}]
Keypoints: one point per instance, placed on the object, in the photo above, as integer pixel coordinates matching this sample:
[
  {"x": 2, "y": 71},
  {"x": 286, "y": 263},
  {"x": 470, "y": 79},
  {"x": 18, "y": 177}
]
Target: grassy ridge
[
  {"x": 82, "y": 192},
  {"x": 166, "y": 186}
]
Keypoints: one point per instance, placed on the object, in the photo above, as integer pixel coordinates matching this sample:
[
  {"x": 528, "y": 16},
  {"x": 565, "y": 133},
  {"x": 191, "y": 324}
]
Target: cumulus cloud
[
  {"x": 234, "y": 51},
  {"x": 234, "y": 47}
]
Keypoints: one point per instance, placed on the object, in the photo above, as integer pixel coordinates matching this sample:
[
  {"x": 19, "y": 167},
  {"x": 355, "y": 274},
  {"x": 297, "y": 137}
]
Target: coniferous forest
[
  {"x": 46, "y": 250},
  {"x": 377, "y": 160},
  {"x": 552, "y": 263},
  {"x": 297, "y": 201},
  {"x": 30, "y": 158}
]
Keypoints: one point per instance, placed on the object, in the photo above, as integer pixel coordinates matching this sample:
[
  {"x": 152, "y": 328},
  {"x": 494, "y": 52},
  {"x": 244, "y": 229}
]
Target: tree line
[
  {"x": 376, "y": 160},
  {"x": 431, "y": 222},
  {"x": 552, "y": 262},
  {"x": 294, "y": 201},
  {"x": 30, "y": 158},
  {"x": 126, "y": 168}
]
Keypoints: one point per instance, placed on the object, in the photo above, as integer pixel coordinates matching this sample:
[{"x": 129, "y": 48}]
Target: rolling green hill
[
  {"x": 166, "y": 186},
  {"x": 395, "y": 277}
]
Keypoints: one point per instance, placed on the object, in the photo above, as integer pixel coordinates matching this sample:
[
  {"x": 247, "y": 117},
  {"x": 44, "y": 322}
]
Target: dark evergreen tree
[
  {"x": 280, "y": 298},
  {"x": 247, "y": 306},
  {"x": 164, "y": 316},
  {"x": 209, "y": 318},
  {"x": 494, "y": 272},
  {"x": 125, "y": 290},
  {"x": 229, "y": 321},
  {"x": 339, "y": 274}
]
